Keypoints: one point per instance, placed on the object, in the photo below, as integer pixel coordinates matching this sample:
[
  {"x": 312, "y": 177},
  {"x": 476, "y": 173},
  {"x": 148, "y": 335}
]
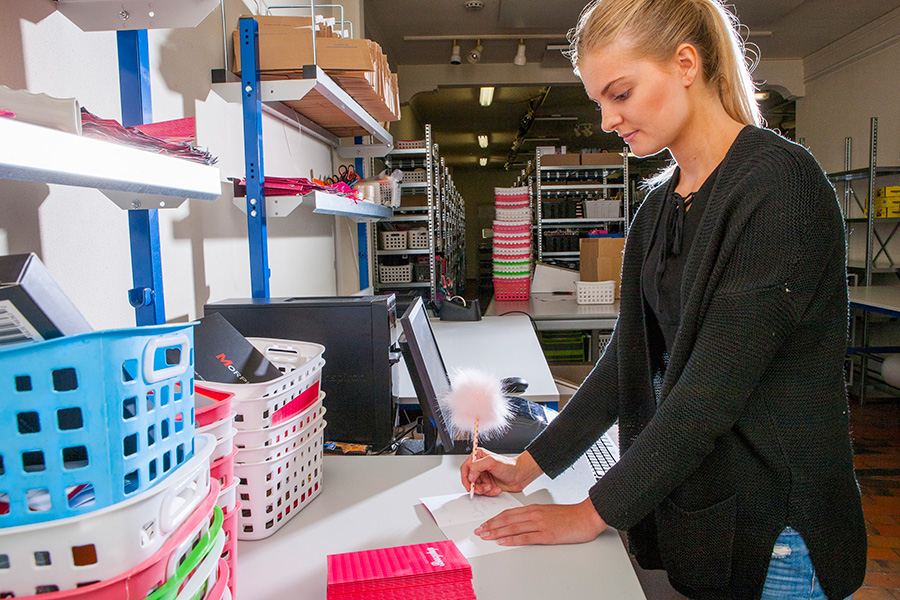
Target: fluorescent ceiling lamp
[
  {"x": 542, "y": 139},
  {"x": 519, "y": 60},
  {"x": 760, "y": 96},
  {"x": 486, "y": 96},
  {"x": 482, "y": 161},
  {"x": 483, "y": 141}
]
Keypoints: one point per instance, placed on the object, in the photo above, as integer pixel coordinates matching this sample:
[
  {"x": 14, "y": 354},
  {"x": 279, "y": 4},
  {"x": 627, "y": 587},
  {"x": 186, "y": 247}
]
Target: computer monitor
[{"x": 428, "y": 374}]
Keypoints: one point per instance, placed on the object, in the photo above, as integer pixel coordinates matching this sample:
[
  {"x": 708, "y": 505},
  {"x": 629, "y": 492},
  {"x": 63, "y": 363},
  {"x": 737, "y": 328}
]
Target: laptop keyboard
[{"x": 602, "y": 456}]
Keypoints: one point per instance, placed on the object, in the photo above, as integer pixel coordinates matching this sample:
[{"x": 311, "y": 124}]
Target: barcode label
[{"x": 14, "y": 328}]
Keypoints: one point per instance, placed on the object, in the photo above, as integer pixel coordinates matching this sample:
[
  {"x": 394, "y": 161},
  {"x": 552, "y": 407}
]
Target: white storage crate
[
  {"x": 417, "y": 239},
  {"x": 393, "y": 240},
  {"x": 595, "y": 292},
  {"x": 417, "y": 176},
  {"x": 602, "y": 209},
  {"x": 410, "y": 144},
  {"x": 395, "y": 274}
]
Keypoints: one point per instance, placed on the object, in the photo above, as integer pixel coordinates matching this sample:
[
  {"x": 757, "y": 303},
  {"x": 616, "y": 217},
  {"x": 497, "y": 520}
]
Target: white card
[{"x": 458, "y": 516}]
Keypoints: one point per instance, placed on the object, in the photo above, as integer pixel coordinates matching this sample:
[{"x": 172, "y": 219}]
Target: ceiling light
[
  {"x": 486, "y": 96},
  {"x": 455, "y": 58},
  {"x": 760, "y": 96},
  {"x": 474, "y": 54},
  {"x": 482, "y": 161},
  {"x": 473, "y": 4},
  {"x": 519, "y": 60},
  {"x": 482, "y": 141}
]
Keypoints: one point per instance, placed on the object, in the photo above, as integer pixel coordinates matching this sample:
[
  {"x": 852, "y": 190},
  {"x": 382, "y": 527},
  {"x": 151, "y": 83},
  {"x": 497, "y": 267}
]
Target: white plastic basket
[
  {"x": 259, "y": 405},
  {"x": 410, "y": 144},
  {"x": 417, "y": 176},
  {"x": 395, "y": 274},
  {"x": 393, "y": 240},
  {"x": 271, "y": 492},
  {"x": 417, "y": 239},
  {"x": 97, "y": 546},
  {"x": 271, "y": 436},
  {"x": 595, "y": 292},
  {"x": 513, "y": 214},
  {"x": 602, "y": 209},
  {"x": 285, "y": 446}
]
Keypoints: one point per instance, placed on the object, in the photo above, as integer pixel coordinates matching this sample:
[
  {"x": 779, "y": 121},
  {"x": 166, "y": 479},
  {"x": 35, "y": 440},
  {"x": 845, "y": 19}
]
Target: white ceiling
[{"x": 782, "y": 29}]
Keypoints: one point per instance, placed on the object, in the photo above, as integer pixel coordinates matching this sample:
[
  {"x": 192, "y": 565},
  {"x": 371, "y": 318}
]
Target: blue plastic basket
[{"x": 92, "y": 419}]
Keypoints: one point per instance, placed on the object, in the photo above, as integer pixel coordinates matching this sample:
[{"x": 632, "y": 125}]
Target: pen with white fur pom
[{"x": 476, "y": 406}]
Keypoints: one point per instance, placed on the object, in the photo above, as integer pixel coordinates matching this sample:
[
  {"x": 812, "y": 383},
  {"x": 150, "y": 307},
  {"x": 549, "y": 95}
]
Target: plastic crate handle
[
  {"x": 206, "y": 572},
  {"x": 188, "y": 495},
  {"x": 152, "y": 375},
  {"x": 177, "y": 573}
]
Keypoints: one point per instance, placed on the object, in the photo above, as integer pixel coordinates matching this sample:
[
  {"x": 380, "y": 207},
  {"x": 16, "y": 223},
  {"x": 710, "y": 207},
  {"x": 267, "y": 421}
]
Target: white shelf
[
  {"x": 586, "y": 222},
  {"x": 316, "y": 85},
  {"x": 562, "y": 254},
  {"x": 402, "y": 252},
  {"x": 33, "y": 153},
  {"x": 581, "y": 186},
  {"x": 399, "y": 286},
  {"x": 322, "y": 203},
  {"x": 409, "y": 218}
]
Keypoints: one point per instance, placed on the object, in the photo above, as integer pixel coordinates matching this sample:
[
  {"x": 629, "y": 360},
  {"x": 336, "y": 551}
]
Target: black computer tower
[{"x": 357, "y": 332}]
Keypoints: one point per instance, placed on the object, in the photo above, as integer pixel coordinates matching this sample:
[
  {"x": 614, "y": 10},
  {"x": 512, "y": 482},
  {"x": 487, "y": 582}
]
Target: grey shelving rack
[{"x": 542, "y": 188}]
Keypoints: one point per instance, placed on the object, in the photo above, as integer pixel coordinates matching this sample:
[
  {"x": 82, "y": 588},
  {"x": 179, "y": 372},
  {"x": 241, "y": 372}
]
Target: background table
[
  {"x": 505, "y": 346},
  {"x": 372, "y": 502},
  {"x": 884, "y": 299},
  {"x": 554, "y": 312}
]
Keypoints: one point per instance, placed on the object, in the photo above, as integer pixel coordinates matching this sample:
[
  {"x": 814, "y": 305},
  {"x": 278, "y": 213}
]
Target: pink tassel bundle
[{"x": 476, "y": 406}]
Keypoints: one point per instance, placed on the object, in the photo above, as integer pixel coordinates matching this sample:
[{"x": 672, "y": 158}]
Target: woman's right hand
[{"x": 495, "y": 473}]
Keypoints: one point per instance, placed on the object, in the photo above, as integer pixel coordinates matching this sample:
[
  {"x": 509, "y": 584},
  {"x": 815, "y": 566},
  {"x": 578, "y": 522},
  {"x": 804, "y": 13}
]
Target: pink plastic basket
[
  {"x": 511, "y": 289},
  {"x": 157, "y": 570},
  {"x": 211, "y": 405},
  {"x": 229, "y": 553},
  {"x": 510, "y": 228},
  {"x": 222, "y": 470}
]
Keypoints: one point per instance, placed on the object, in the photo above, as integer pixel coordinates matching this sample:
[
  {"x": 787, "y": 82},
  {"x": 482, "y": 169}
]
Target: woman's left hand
[{"x": 544, "y": 524}]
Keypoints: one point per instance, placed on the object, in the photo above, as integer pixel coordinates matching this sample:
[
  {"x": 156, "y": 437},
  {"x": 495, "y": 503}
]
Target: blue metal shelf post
[
  {"x": 362, "y": 231},
  {"x": 253, "y": 158},
  {"x": 143, "y": 225}
]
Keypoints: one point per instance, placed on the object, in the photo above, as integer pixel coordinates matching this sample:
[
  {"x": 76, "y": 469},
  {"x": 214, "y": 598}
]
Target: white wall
[
  {"x": 83, "y": 238},
  {"x": 846, "y": 84}
]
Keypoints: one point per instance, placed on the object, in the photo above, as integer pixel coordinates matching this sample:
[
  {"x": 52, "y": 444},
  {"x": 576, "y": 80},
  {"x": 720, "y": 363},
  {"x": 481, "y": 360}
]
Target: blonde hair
[{"x": 655, "y": 28}]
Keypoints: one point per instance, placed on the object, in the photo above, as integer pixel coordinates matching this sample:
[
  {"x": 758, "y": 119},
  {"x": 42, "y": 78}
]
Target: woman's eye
[{"x": 622, "y": 96}]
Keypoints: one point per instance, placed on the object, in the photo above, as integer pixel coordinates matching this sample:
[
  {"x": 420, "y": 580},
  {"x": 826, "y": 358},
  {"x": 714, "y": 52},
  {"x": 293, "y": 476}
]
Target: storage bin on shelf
[
  {"x": 260, "y": 405},
  {"x": 417, "y": 239},
  {"x": 388, "y": 274},
  {"x": 93, "y": 419},
  {"x": 595, "y": 292},
  {"x": 416, "y": 176},
  {"x": 272, "y": 491},
  {"x": 393, "y": 240},
  {"x": 112, "y": 543},
  {"x": 410, "y": 144}
]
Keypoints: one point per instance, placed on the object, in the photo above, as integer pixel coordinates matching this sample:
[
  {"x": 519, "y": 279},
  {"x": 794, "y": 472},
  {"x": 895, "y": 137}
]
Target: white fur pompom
[{"x": 476, "y": 395}]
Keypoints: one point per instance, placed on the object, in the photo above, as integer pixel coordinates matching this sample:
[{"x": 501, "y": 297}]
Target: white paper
[{"x": 458, "y": 516}]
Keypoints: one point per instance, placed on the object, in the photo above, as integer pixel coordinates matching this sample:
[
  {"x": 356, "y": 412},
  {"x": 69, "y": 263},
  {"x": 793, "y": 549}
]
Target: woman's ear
[{"x": 687, "y": 62}]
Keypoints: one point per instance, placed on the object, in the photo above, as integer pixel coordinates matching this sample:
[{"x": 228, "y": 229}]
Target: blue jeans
[{"x": 791, "y": 575}]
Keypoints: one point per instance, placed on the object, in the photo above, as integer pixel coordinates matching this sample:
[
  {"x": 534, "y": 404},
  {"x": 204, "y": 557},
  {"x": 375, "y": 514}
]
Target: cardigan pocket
[{"x": 696, "y": 546}]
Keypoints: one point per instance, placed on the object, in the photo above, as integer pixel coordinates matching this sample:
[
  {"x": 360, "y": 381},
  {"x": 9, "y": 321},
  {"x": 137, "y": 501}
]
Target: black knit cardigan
[{"x": 750, "y": 433}]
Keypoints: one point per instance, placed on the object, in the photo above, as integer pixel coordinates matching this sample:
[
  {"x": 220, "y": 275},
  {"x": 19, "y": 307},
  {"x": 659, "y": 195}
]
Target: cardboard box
[
  {"x": 560, "y": 160},
  {"x": 33, "y": 307},
  {"x": 610, "y": 159},
  {"x": 285, "y": 45},
  {"x": 888, "y": 192},
  {"x": 601, "y": 260},
  {"x": 223, "y": 355}
]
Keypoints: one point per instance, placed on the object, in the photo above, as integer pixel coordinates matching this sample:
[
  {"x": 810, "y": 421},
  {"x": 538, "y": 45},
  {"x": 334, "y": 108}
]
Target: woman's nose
[{"x": 609, "y": 119}]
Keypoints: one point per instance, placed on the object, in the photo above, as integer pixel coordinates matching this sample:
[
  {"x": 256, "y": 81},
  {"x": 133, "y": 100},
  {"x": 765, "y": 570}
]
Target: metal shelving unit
[
  {"x": 879, "y": 231},
  {"x": 596, "y": 187},
  {"x": 442, "y": 215},
  {"x": 281, "y": 99}
]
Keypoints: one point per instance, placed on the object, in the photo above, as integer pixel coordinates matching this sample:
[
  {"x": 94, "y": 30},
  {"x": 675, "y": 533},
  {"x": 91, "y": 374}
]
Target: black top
[
  {"x": 751, "y": 431},
  {"x": 672, "y": 241}
]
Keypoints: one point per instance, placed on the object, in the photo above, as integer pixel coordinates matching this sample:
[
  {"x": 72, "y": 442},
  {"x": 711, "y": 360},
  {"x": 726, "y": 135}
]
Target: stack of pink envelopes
[{"x": 418, "y": 572}]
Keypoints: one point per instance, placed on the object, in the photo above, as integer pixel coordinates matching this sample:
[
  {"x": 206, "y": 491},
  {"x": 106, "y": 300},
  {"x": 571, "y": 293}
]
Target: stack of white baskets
[
  {"x": 279, "y": 438},
  {"x": 106, "y": 492},
  {"x": 512, "y": 244}
]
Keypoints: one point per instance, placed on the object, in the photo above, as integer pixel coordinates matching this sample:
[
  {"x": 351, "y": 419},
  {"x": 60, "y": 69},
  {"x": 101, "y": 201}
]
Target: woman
[{"x": 725, "y": 367}]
